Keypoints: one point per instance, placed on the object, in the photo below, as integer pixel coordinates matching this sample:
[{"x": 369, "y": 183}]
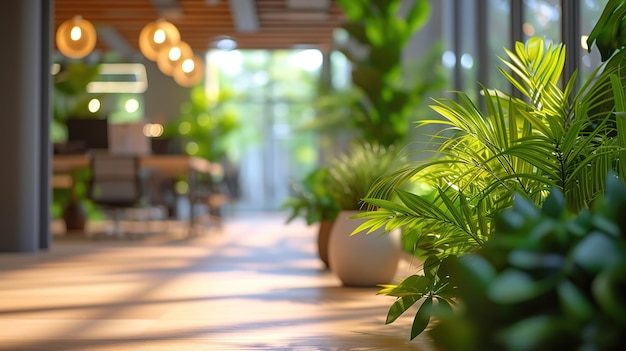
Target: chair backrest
[{"x": 115, "y": 180}]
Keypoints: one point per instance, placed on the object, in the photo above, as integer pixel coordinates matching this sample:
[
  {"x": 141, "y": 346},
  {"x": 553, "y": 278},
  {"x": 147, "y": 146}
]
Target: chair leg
[{"x": 117, "y": 224}]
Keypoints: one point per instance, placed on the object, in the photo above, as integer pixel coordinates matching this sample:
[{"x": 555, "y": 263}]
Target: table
[{"x": 166, "y": 165}]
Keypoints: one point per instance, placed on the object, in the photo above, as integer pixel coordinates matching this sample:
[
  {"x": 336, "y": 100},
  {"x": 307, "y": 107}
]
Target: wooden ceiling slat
[{"x": 201, "y": 23}]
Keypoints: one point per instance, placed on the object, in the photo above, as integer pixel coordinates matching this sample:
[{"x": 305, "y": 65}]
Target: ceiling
[{"x": 254, "y": 24}]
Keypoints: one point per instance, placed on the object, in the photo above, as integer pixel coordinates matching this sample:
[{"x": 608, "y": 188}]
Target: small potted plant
[
  {"x": 313, "y": 202},
  {"x": 366, "y": 259}
]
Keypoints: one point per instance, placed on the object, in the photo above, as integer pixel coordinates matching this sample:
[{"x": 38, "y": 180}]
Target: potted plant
[
  {"x": 384, "y": 101},
  {"x": 553, "y": 137},
  {"x": 548, "y": 279},
  {"x": 313, "y": 202},
  {"x": 360, "y": 260},
  {"x": 383, "y": 97}
]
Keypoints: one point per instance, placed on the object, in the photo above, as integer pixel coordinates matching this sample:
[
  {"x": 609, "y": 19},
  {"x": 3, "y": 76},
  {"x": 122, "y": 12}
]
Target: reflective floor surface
[{"x": 254, "y": 284}]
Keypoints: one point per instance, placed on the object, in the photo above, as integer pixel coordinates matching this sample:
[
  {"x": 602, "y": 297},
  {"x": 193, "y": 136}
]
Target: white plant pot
[{"x": 362, "y": 259}]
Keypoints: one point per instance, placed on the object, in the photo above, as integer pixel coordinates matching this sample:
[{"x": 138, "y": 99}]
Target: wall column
[
  {"x": 45, "y": 119},
  {"x": 20, "y": 134}
]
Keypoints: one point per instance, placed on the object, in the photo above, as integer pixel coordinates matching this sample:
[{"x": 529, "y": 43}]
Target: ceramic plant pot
[
  {"x": 323, "y": 236},
  {"x": 362, "y": 259}
]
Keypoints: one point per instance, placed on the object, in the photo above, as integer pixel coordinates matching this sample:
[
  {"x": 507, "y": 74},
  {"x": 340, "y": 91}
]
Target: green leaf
[
  {"x": 475, "y": 271},
  {"x": 387, "y": 205},
  {"x": 370, "y": 80},
  {"x": 513, "y": 286},
  {"x": 443, "y": 308},
  {"x": 412, "y": 285},
  {"x": 418, "y": 15},
  {"x": 353, "y": 9},
  {"x": 431, "y": 266},
  {"x": 531, "y": 333},
  {"x": 529, "y": 260},
  {"x": 573, "y": 301},
  {"x": 554, "y": 205},
  {"x": 400, "y": 306},
  {"x": 375, "y": 33},
  {"x": 421, "y": 206},
  {"x": 447, "y": 268},
  {"x": 595, "y": 252},
  {"x": 608, "y": 289},
  {"x": 422, "y": 318},
  {"x": 620, "y": 111}
]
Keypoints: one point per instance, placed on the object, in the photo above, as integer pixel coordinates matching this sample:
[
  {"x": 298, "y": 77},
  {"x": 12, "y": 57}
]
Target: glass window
[
  {"x": 543, "y": 18},
  {"x": 498, "y": 39},
  {"x": 590, "y": 11},
  {"x": 273, "y": 94}
]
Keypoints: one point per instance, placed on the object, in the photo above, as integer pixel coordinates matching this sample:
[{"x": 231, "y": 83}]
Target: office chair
[
  {"x": 210, "y": 193},
  {"x": 116, "y": 185}
]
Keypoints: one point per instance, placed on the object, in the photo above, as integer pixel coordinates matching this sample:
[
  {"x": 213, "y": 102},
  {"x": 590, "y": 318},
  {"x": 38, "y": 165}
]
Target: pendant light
[
  {"x": 168, "y": 58},
  {"x": 76, "y": 37},
  {"x": 156, "y": 36},
  {"x": 189, "y": 72}
]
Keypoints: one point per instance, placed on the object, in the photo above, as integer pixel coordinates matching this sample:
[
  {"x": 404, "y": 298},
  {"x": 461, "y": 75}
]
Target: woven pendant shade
[
  {"x": 189, "y": 72},
  {"x": 76, "y": 38},
  {"x": 156, "y": 36},
  {"x": 169, "y": 58}
]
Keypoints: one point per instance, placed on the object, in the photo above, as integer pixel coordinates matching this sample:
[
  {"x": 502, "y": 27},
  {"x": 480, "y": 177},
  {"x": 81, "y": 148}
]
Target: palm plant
[
  {"x": 552, "y": 137},
  {"x": 351, "y": 174}
]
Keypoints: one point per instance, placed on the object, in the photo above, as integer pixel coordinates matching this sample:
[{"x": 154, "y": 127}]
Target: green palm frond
[
  {"x": 552, "y": 137},
  {"x": 527, "y": 146},
  {"x": 351, "y": 174}
]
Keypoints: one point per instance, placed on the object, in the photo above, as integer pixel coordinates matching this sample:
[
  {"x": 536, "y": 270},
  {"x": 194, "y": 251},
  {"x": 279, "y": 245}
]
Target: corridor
[{"x": 256, "y": 284}]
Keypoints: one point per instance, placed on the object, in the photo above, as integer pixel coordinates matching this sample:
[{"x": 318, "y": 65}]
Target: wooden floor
[{"x": 255, "y": 285}]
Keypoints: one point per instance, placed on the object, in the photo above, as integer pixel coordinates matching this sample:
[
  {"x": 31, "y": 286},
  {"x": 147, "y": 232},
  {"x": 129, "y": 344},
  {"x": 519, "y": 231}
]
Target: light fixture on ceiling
[
  {"x": 119, "y": 78},
  {"x": 76, "y": 37},
  {"x": 169, "y": 57},
  {"x": 189, "y": 72},
  {"x": 156, "y": 36},
  {"x": 224, "y": 42}
]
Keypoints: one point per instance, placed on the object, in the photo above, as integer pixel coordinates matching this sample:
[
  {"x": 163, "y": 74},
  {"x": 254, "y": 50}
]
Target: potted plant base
[
  {"x": 364, "y": 260},
  {"x": 75, "y": 217},
  {"x": 323, "y": 236}
]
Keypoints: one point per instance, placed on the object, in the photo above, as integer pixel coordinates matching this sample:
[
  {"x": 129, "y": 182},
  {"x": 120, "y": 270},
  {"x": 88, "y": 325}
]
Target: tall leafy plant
[
  {"x": 553, "y": 137},
  {"x": 383, "y": 105}
]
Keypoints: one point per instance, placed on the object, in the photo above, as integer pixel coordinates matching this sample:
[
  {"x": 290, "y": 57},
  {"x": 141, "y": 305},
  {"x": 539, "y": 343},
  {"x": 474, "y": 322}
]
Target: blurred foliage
[
  {"x": 547, "y": 280},
  {"x": 384, "y": 100},
  {"x": 70, "y": 97},
  {"x": 609, "y": 33},
  {"x": 312, "y": 199},
  {"x": 203, "y": 126}
]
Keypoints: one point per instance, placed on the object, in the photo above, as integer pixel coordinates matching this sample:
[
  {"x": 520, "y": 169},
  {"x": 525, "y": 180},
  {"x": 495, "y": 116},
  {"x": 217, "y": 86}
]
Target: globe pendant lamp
[
  {"x": 189, "y": 72},
  {"x": 76, "y": 37},
  {"x": 169, "y": 57},
  {"x": 156, "y": 36}
]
